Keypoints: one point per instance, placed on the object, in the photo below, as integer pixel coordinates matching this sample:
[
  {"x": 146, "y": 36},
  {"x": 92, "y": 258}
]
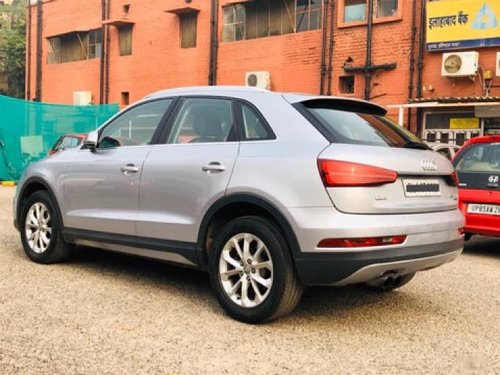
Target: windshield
[
  {"x": 479, "y": 158},
  {"x": 364, "y": 128}
]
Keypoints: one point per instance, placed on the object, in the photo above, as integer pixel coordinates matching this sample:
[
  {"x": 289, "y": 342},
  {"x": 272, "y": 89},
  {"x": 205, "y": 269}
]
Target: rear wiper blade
[{"x": 417, "y": 145}]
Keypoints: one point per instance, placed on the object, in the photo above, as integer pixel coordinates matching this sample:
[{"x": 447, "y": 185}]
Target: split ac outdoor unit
[
  {"x": 260, "y": 79},
  {"x": 498, "y": 64},
  {"x": 460, "y": 64},
  {"x": 82, "y": 97}
]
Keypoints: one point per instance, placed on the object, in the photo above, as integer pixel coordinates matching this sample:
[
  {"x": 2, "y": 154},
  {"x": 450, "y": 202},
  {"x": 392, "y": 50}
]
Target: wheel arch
[
  {"x": 31, "y": 186},
  {"x": 237, "y": 205}
]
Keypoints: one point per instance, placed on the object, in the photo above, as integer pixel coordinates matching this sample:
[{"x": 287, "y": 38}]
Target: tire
[
  {"x": 40, "y": 229},
  {"x": 257, "y": 282},
  {"x": 390, "y": 283}
]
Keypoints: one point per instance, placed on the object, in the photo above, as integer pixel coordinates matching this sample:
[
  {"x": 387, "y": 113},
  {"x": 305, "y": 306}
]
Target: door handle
[
  {"x": 213, "y": 167},
  {"x": 129, "y": 168}
]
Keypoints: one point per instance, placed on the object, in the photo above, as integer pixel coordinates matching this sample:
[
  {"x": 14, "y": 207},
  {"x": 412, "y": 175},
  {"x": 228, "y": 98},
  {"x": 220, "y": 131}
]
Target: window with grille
[
  {"x": 263, "y": 18},
  {"x": 387, "y": 8},
  {"x": 356, "y": 10},
  {"x": 75, "y": 46}
]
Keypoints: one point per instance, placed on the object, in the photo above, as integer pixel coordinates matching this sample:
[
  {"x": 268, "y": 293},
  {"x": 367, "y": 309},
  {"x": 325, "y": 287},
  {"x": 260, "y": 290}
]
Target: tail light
[
  {"x": 361, "y": 242},
  {"x": 337, "y": 173}
]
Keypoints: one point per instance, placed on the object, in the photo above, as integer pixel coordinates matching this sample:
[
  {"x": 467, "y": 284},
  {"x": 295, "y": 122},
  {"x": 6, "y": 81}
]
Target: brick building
[{"x": 120, "y": 50}]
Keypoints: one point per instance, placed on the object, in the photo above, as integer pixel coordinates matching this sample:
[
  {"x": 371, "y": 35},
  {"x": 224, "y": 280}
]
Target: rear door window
[{"x": 202, "y": 120}]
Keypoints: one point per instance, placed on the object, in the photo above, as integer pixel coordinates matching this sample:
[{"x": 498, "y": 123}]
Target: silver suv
[{"x": 266, "y": 191}]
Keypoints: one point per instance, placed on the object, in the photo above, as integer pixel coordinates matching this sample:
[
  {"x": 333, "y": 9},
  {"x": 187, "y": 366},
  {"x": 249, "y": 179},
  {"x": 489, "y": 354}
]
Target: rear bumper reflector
[{"x": 361, "y": 242}]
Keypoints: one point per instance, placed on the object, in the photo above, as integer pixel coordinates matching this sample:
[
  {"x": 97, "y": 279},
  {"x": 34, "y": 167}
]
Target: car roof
[
  {"x": 477, "y": 140},
  {"x": 204, "y": 90},
  {"x": 483, "y": 139},
  {"x": 292, "y": 98}
]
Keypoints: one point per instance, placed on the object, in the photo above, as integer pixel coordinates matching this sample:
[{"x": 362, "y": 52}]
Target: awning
[
  {"x": 77, "y": 29},
  {"x": 448, "y": 102},
  {"x": 183, "y": 10},
  {"x": 118, "y": 22}
]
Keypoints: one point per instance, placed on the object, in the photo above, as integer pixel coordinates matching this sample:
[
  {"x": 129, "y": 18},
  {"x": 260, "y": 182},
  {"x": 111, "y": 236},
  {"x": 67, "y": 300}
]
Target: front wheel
[
  {"x": 251, "y": 271},
  {"x": 40, "y": 229}
]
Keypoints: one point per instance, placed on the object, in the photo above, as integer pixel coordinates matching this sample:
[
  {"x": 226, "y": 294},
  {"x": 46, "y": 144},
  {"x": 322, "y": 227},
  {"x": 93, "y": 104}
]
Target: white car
[
  {"x": 268, "y": 192},
  {"x": 445, "y": 149}
]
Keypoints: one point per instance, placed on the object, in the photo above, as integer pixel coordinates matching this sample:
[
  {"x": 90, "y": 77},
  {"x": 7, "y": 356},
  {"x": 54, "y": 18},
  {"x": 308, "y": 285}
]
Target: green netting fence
[{"x": 29, "y": 129}]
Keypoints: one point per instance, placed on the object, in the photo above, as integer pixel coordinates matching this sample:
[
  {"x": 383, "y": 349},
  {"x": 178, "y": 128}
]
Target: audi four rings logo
[
  {"x": 429, "y": 165},
  {"x": 493, "y": 179}
]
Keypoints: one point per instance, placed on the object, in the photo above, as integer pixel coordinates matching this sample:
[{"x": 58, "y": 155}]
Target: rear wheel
[
  {"x": 391, "y": 282},
  {"x": 251, "y": 271},
  {"x": 40, "y": 229}
]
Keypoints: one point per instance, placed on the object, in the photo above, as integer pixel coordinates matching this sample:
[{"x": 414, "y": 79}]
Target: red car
[
  {"x": 478, "y": 168},
  {"x": 67, "y": 141}
]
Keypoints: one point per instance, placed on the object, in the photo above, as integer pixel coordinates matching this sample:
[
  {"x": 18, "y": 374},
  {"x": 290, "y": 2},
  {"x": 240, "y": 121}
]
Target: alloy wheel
[
  {"x": 246, "y": 270},
  {"x": 38, "y": 229}
]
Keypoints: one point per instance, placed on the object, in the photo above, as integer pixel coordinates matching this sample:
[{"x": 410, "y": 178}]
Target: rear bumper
[
  {"x": 345, "y": 268},
  {"x": 486, "y": 225}
]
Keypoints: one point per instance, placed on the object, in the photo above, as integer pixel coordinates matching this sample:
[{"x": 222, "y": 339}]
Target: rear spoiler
[{"x": 346, "y": 105}]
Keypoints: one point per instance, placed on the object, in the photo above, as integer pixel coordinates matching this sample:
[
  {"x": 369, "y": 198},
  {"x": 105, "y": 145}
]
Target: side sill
[{"x": 185, "y": 253}]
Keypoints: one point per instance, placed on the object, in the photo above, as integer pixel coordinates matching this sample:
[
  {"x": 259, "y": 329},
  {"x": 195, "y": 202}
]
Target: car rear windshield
[
  {"x": 346, "y": 125},
  {"x": 479, "y": 158}
]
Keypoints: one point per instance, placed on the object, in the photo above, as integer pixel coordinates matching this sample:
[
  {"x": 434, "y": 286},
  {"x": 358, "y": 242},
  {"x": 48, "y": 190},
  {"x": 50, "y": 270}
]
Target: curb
[{"x": 8, "y": 183}]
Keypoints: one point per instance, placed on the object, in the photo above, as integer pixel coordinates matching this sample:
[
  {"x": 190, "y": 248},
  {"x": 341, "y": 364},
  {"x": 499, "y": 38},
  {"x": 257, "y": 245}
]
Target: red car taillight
[{"x": 337, "y": 173}]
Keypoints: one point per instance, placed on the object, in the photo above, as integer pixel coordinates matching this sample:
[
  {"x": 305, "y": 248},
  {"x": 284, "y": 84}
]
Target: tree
[{"x": 13, "y": 46}]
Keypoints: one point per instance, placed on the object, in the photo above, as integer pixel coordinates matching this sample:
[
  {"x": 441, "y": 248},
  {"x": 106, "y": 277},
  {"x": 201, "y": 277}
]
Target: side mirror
[{"x": 90, "y": 142}]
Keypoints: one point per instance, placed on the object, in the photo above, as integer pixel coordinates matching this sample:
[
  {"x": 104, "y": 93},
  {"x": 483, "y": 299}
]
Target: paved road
[{"x": 111, "y": 314}]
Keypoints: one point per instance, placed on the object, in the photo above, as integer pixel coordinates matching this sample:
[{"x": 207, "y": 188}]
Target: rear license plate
[
  {"x": 422, "y": 187},
  {"x": 483, "y": 209}
]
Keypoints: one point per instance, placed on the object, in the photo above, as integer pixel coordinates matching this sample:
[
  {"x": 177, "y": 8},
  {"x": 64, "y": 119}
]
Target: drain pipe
[
  {"x": 330, "y": 49},
  {"x": 39, "y": 29},
  {"x": 28, "y": 55},
  {"x": 421, "y": 49},
  {"x": 420, "y": 65},
  {"x": 368, "y": 64},
  {"x": 323, "y": 49},
  {"x": 103, "y": 53},
  {"x": 214, "y": 44},
  {"x": 411, "y": 85},
  {"x": 106, "y": 54}
]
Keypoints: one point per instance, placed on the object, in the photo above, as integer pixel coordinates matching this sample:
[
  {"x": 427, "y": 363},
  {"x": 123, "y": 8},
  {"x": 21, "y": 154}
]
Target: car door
[
  {"x": 184, "y": 176},
  {"x": 101, "y": 187}
]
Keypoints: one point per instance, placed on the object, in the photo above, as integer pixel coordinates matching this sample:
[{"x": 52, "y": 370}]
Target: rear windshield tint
[
  {"x": 479, "y": 158},
  {"x": 344, "y": 126}
]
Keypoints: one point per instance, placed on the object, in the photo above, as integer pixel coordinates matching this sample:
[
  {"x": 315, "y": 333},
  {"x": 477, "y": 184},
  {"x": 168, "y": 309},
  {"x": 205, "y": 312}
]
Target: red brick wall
[
  {"x": 293, "y": 60},
  {"x": 60, "y": 80},
  {"x": 158, "y": 61},
  {"x": 438, "y": 86},
  {"x": 391, "y": 43}
]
